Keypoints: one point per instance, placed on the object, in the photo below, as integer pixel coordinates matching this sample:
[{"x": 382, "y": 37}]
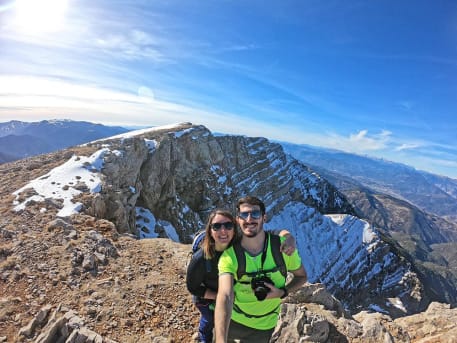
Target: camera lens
[
  {"x": 259, "y": 287},
  {"x": 260, "y": 293}
]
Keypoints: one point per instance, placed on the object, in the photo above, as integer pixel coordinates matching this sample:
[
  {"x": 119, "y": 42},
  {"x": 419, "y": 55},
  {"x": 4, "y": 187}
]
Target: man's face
[{"x": 250, "y": 220}]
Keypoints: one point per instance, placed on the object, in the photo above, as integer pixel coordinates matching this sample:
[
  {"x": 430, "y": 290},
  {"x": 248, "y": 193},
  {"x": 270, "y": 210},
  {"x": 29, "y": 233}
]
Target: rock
[
  {"x": 59, "y": 223},
  {"x": 317, "y": 293},
  {"x": 437, "y": 324},
  {"x": 38, "y": 320},
  {"x": 298, "y": 325},
  {"x": 89, "y": 262}
]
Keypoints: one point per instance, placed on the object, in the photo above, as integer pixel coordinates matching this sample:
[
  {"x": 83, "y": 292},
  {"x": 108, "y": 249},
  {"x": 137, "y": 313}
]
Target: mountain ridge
[{"x": 178, "y": 174}]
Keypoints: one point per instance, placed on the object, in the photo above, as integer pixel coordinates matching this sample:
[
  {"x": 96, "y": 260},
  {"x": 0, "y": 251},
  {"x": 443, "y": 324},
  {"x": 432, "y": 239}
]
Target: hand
[
  {"x": 289, "y": 245},
  {"x": 274, "y": 291}
]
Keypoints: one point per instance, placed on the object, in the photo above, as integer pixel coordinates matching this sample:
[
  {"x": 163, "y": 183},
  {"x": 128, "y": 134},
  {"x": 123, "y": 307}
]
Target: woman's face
[{"x": 222, "y": 234}]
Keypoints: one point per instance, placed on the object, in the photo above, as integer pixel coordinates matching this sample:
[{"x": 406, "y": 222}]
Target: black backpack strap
[
  {"x": 208, "y": 265},
  {"x": 241, "y": 258},
  {"x": 275, "y": 242}
]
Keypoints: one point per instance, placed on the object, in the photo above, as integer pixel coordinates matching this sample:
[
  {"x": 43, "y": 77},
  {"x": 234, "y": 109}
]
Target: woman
[{"x": 202, "y": 272}]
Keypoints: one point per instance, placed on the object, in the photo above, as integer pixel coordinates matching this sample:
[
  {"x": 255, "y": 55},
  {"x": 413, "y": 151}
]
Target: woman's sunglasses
[{"x": 218, "y": 226}]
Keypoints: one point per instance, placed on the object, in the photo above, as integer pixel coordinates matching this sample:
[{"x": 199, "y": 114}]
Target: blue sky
[{"x": 371, "y": 77}]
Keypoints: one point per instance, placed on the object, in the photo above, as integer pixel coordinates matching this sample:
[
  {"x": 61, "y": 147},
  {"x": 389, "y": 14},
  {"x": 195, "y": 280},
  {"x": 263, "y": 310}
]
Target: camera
[{"x": 258, "y": 285}]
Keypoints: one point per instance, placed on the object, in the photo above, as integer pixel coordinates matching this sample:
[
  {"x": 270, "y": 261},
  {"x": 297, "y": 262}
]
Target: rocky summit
[{"x": 73, "y": 269}]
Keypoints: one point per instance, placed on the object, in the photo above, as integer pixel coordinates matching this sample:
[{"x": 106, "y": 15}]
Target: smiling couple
[{"x": 242, "y": 305}]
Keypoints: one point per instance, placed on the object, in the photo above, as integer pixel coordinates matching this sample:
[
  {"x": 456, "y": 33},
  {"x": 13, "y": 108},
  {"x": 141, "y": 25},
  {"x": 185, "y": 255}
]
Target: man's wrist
[{"x": 286, "y": 293}]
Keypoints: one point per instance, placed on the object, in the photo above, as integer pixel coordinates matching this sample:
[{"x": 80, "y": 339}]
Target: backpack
[
  {"x": 197, "y": 241},
  {"x": 275, "y": 242},
  {"x": 196, "y": 246}
]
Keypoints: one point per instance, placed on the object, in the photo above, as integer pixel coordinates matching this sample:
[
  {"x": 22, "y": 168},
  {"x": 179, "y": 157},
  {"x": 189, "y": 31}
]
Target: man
[{"x": 243, "y": 313}]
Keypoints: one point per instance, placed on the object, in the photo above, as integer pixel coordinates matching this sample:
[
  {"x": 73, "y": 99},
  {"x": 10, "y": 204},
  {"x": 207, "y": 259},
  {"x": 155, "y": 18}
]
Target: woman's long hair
[{"x": 208, "y": 244}]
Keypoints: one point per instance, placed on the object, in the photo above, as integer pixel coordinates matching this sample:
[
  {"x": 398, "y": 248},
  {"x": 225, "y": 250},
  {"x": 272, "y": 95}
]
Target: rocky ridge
[{"x": 94, "y": 274}]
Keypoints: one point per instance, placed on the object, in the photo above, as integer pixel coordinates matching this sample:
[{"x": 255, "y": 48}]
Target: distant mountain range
[
  {"x": 23, "y": 139},
  {"x": 431, "y": 193}
]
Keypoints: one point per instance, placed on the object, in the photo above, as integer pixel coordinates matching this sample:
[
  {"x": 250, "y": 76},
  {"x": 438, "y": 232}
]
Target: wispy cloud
[
  {"x": 359, "y": 142},
  {"x": 406, "y": 146},
  {"x": 134, "y": 45},
  {"x": 364, "y": 142}
]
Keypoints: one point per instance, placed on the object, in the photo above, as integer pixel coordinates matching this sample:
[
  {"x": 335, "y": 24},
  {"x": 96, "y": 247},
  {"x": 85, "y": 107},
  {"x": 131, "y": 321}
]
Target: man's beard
[{"x": 250, "y": 233}]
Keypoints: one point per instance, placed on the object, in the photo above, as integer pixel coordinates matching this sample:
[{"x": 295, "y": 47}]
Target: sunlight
[{"x": 40, "y": 16}]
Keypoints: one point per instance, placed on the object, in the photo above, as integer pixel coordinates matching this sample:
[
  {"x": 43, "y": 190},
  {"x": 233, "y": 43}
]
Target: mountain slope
[
  {"x": 20, "y": 139},
  {"x": 24, "y": 145}
]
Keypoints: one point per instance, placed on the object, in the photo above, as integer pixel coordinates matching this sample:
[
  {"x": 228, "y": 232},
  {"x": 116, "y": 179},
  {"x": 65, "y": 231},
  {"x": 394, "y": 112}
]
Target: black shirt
[{"x": 199, "y": 278}]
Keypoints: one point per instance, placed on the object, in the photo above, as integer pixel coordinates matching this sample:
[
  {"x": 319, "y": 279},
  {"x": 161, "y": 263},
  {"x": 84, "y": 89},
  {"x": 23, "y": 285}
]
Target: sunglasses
[
  {"x": 218, "y": 226},
  {"x": 254, "y": 214}
]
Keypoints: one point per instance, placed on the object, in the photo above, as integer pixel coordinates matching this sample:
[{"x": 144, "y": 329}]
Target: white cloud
[{"x": 360, "y": 142}]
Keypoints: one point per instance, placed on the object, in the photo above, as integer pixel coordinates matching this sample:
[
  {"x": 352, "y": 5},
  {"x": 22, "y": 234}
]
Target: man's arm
[
  {"x": 224, "y": 305},
  {"x": 300, "y": 277}
]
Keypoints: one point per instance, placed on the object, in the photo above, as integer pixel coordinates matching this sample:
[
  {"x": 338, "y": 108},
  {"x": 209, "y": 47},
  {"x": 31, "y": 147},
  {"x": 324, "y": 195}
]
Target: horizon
[
  {"x": 374, "y": 79},
  {"x": 141, "y": 129}
]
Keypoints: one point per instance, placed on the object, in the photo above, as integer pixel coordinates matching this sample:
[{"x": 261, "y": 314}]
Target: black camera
[{"x": 259, "y": 287}]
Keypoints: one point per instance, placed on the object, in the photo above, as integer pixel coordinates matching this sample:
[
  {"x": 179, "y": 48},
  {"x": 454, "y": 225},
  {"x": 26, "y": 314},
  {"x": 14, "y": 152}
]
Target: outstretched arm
[{"x": 224, "y": 305}]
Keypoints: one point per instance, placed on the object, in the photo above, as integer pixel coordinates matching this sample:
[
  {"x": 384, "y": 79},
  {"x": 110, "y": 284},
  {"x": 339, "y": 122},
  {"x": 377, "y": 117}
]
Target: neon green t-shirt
[{"x": 266, "y": 311}]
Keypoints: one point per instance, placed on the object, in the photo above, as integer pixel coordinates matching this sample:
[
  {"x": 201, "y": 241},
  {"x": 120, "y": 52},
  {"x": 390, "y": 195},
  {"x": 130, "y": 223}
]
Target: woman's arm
[
  {"x": 195, "y": 275},
  {"x": 289, "y": 245}
]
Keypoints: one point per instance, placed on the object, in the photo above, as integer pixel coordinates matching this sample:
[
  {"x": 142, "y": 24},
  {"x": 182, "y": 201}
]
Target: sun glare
[{"x": 40, "y": 16}]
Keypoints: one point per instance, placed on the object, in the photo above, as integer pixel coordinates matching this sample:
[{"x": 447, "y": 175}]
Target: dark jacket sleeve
[{"x": 196, "y": 274}]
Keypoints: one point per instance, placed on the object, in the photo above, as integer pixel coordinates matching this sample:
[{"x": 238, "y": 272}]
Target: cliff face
[
  {"x": 180, "y": 174},
  {"x": 163, "y": 183}
]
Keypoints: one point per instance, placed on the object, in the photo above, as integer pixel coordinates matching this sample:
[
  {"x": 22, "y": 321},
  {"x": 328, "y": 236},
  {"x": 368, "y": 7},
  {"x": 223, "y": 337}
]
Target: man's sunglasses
[
  {"x": 254, "y": 214},
  {"x": 218, "y": 226}
]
